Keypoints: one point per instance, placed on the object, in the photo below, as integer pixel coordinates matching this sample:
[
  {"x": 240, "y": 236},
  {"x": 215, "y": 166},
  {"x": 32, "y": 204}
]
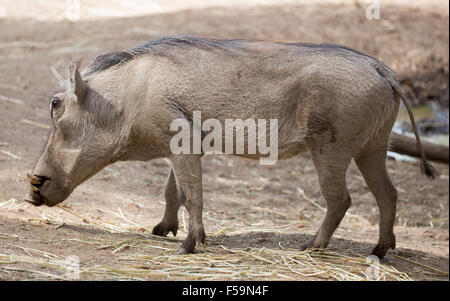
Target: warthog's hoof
[
  {"x": 183, "y": 251},
  {"x": 163, "y": 228},
  {"x": 314, "y": 243},
  {"x": 381, "y": 249},
  {"x": 305, "y": 247},
  {"x": 193, "y": 239}
]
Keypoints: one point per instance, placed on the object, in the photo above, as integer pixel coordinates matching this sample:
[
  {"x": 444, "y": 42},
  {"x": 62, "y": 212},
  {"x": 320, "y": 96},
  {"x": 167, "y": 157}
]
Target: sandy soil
[{"x": 246, "y": 205}]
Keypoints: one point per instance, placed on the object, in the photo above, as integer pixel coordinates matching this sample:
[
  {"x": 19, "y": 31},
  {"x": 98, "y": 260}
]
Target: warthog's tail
[{"x": 427, "y": 169}]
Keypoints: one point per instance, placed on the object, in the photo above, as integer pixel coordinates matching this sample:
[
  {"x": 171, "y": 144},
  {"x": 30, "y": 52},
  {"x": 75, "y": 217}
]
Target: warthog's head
[{"x": 81, "y": 143}]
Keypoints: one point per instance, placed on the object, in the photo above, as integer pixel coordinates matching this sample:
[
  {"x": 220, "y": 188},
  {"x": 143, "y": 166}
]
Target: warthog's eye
[
  {"x": 55, "y": 106},
  {"x": 56, "y": 103}
]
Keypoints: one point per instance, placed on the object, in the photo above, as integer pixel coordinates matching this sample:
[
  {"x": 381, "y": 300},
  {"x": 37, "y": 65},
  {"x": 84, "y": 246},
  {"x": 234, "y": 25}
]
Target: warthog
[{"x": 332, "y": 101}]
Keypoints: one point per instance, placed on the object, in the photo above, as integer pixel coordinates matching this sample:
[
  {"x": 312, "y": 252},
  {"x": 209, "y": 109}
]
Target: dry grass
[{"x": 212, "y": 262}]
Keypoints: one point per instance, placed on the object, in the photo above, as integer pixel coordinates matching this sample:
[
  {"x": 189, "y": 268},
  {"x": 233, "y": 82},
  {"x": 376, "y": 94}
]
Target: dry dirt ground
[{"x": 250, "y": 210}]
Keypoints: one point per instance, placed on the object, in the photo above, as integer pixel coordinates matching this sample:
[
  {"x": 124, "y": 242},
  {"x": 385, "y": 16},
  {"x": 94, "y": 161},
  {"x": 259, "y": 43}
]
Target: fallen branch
[{"x": 405, "y": 145}]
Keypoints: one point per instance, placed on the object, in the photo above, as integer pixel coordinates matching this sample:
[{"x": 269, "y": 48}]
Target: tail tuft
[{"x": 428, "y": 170}]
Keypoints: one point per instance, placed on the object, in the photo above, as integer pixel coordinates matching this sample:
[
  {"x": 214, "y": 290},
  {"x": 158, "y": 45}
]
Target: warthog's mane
[
  {"x": 163, "y": 45},
  {"x": 160, "y": 47}
]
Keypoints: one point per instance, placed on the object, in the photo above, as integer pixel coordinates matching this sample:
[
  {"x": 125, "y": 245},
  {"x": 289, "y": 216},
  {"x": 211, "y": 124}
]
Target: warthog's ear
[{"x": 76, "y": 83}]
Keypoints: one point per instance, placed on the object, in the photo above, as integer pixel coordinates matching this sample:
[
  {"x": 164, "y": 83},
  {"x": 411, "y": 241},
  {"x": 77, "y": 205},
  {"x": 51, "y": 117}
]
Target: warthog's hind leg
[
  {"x": 372, "y": 165},
  {"x": 331, "y": 166},
  {"x": 188, "y": 173},
  {"x": 174, "y": 198}
]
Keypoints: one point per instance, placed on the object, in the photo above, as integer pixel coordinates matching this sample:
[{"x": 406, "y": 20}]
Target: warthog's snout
[{"x": 34, "y": 196}]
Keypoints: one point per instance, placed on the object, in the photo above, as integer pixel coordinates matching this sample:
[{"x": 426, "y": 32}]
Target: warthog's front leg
[
  {"x": 188, "y": 174},
  {"x": 174, "y": 198}
]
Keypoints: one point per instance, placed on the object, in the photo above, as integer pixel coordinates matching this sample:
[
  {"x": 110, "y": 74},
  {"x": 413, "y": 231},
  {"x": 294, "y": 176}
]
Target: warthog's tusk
[
  {"x": 34, "y": 180},
  {"x": 35, "y": 189},
  {"x": 28, "y": 198}
]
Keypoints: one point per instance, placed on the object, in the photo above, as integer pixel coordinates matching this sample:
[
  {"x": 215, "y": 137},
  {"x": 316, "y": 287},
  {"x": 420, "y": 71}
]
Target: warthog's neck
[{"x": 124, "y": 106}]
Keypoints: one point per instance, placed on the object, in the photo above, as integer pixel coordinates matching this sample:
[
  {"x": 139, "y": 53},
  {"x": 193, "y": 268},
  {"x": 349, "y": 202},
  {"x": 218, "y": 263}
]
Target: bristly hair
[
  {"x": 160, "y": 47},
  {"x": 163, "y": 45}
]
